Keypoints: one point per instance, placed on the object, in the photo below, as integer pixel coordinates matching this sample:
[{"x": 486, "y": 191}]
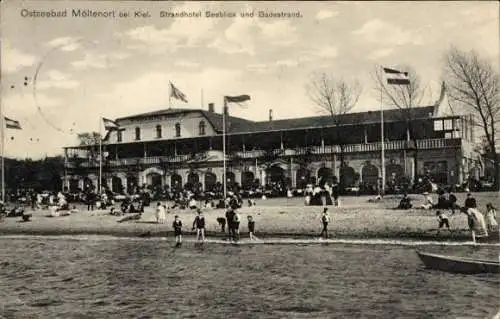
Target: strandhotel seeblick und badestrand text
[{"x": 183, "y": 147}]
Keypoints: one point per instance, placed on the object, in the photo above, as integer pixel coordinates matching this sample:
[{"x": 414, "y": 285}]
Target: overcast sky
[{"x": 93, "y": 67}]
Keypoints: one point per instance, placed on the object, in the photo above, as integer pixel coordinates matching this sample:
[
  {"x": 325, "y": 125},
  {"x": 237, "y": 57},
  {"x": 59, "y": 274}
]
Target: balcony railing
[{"x": 426, "y": 144}]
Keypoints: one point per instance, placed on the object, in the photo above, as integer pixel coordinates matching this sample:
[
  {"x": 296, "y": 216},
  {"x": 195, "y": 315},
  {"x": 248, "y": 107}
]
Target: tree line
[{"x": 38, "y": 175}]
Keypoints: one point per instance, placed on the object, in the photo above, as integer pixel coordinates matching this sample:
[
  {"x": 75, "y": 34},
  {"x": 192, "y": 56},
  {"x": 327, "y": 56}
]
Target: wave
[{"x": 263, "y": 241}]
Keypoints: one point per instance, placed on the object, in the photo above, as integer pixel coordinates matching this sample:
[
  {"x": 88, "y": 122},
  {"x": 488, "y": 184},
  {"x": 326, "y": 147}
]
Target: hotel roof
[{"x": 239, "y": 125}]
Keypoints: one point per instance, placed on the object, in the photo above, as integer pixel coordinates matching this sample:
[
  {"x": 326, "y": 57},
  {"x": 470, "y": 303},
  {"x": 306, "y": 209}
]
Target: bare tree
[
  {"x": 90, "y": 139},
  {"x": 473, "y": 86},
  {"x": 335, "y": 97},
  {"x": 403, "y": 97}
]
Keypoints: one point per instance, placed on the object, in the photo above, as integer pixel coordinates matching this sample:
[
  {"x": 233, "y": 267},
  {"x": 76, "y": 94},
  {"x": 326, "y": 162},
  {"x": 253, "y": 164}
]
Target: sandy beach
[{"x": 280, "y": 217}]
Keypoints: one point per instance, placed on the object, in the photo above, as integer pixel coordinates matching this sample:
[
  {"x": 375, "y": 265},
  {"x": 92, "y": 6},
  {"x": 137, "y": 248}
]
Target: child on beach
[
  {"x": 491, "y": 217},
  {"x": 236, "y": 225},
  {"x": 325, "y": 218},
  {"x": 443, "y": 221},
  {"x": 177, "y": 225},
  {"x": 251, "y": 228},
  {"x": 230, "y": 222},
  {"x": 222, "y": 223},
  {"x": 199, "y": 224}
]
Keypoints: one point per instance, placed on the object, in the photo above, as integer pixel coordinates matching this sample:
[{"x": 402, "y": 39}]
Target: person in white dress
[
  {"x": 476, "y": 223},
  {"x": 491, "y": 217},
  {"x": 160, "y": 213}
]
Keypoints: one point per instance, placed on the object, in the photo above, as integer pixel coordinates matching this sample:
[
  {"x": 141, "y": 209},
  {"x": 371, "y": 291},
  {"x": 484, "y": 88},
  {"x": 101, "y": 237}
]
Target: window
[
  {"x": 119, "y": 136},
  {"x": 448, "y": 125},
  {"x": 202, "y": 127},
  {"x": 177, "y": 130},
  {"x": 438, "y": 125},
  {"x": 137, "y": 133},
  {"x": 158, "y": 131}
]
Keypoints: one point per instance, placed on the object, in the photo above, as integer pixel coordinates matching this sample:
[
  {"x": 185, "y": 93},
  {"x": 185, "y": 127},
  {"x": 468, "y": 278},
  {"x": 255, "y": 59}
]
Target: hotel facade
[{"x": 184, "y": 148}]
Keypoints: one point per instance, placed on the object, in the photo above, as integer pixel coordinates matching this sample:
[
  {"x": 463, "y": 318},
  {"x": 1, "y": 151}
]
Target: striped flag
[
  {"x": 396, "y": 77},
  {"x": 12, "y": 124},
  {"x": 177, "y": 94},
  {"x": 110, "y": 125}
]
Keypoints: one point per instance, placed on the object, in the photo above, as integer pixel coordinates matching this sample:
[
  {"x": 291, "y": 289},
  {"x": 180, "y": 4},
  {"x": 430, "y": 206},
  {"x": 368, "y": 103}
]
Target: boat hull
[{"x": 458, "y": 264}]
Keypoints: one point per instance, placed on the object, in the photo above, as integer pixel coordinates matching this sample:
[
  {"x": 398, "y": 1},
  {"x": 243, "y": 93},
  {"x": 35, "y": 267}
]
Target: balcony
[
  {"x": 214, "y": 155},
  {"x": 354, "y": 148}
]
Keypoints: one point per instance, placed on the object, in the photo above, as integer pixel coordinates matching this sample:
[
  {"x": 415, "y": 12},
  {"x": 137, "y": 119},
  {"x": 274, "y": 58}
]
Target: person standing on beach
[
  {"x": 236, "y": 225},
  {"x": 160, "y": 213},
  {"x": 452, "y": 201},
  {"x": 325, "y": 219},
  {"x": 476, "y": 223},
  {"x": 251, "y": 228},
  {"x": 199, "y": 224},
  {"x": 470, "y": 201},
  {"x": 491, "y": 217},
  {"x": 230, "y": 223},
  {"x": 177, "y": 225},
  {"x": 335, "y": 191}
]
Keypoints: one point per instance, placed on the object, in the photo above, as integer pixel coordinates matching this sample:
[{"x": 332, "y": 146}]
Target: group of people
[
  {"x": 232, "y": 220},
  {"x": 316, "y": 194},
  {"x": 479, "y": 224}
]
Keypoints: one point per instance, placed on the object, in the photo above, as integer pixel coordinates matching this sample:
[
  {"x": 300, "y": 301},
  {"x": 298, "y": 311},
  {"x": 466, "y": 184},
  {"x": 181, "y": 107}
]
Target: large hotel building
[{"x": 183, "y": 147}]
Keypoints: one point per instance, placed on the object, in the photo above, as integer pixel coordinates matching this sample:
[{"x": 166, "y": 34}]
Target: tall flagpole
[
  {"x": 202, "y": 99},
  {"x": 383, "y": 142},
  {"x": 224, "y": 148},
  {"x": 169, "y": 95},
  {"x": 2, "y": 132},
  {"x": 100, "y": 155}
]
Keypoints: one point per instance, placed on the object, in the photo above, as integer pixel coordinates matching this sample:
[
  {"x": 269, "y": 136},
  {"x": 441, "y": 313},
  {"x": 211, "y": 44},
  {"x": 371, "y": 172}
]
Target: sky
[{"x": 81, "y": 69}]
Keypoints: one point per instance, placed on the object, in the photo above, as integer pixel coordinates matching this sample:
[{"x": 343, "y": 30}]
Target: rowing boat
[{"x": 458, "y": 264}]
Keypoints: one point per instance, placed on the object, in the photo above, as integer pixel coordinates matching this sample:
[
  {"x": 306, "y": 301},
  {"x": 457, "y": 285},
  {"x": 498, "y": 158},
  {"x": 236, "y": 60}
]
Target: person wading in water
[
  {"x": 325, "y": 218},
  {"x": 177, "y": 225},
  {"x": 199, "y": 224},
  {"x": 230, "y": 224}
]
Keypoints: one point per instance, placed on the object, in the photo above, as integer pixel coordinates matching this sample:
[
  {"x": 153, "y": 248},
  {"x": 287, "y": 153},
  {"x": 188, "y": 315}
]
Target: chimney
[
  {"x": 270, "y": 115},
  {"x": 211, "y": 107}
]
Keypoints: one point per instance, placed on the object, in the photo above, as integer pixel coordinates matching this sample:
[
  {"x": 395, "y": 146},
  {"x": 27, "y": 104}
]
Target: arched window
[
  {"x": 158, "y": 131},
  {"x": 177, "y": 129},
  {"x": 137, "y": 133},
  {"x": 202, "y": 127}
]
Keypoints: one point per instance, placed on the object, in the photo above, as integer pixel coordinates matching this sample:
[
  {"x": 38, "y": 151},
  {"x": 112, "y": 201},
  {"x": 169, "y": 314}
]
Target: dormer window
[
  {"x": 177, "y": 129},
  {"x": 137, "y": 133},
  {"x": 202, "y": 127},
  {"x": 158, "y": 131}
]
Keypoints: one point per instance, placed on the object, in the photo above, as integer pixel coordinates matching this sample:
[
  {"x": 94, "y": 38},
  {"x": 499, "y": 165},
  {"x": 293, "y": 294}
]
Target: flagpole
[
  {"x": 170, "y": 95},
  {"x": 100, "y": 155},
  {"x": 224, "y": 110},
  {"x": 202, "y": 99},
  {"x": 2, "y": 123},
  {"x": 383, "y": 142}
]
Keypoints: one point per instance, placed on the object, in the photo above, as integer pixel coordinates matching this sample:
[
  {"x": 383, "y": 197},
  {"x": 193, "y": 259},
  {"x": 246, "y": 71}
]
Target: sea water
[{"x": 106, "y": 277}]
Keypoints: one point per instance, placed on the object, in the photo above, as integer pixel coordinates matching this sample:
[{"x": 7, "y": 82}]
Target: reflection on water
[{"x": 55, "y": 278}]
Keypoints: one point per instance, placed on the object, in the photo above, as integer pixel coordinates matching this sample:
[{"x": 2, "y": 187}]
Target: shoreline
[{"x": 457, "y": 236}]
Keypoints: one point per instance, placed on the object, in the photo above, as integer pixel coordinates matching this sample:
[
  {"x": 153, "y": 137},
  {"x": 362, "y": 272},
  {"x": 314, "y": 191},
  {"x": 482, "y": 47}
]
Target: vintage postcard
[{"x": 218, "y": 159}]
